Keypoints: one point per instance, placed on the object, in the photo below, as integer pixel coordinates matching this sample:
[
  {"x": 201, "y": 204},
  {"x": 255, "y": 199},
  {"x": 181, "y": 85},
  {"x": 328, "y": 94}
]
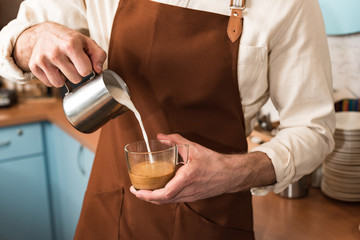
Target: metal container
[
  {"x": 297, "y": 189},
  {"x": 92, "y": 104},
  {"x": 316, "y": 177}
]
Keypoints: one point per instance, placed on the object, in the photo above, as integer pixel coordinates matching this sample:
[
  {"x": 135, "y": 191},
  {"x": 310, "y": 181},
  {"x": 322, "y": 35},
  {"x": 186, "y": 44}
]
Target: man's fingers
[
  {"x": 56, "y": 78},
  {"x": 176, "y": 138},
  {"x": 54, "y": 47},
  {"x": 68, "y": 69},
  {"x": 97, "y": 55},
  {"x": 41, "y": 75},
  {"x": 168, "y": 194},
  {"x": 46, "y": 72},
  {"x": 79, "y": 59}
]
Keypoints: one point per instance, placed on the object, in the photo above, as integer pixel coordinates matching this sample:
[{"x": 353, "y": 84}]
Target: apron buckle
[
  {"x": 237, "y": 4},
  {"x": 237, "y": 8}
]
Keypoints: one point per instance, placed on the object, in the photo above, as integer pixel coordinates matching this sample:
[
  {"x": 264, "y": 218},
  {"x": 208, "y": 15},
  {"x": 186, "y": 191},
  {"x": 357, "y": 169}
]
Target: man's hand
[
  {"x": 55, "y": 53},
  {"x": 209, "y": 174}
]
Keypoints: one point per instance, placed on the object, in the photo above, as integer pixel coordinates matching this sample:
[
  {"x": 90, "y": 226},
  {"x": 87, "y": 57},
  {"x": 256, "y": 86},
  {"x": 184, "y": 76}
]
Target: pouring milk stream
[{"x": 123, "y": 98}]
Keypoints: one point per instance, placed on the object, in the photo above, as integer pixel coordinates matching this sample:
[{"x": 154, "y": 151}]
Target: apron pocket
[
  {"x": 100, "y": 215},
  {"x": 190, "y": 225}
]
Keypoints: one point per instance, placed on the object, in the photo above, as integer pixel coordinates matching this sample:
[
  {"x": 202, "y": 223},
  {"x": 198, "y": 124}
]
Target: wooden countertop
[
  {"x": 313, "y": 217},
  {"x": 45, "y": 109}
]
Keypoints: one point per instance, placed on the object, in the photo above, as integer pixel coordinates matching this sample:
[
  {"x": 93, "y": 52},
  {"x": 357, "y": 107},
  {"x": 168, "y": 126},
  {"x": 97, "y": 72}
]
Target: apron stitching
[
  {"x": 235, "y": 79},
  {"x": 173, "y": 221},
  {"x": 121, "y": 210}
]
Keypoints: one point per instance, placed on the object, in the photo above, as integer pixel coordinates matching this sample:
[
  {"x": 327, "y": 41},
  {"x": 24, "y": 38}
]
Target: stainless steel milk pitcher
[{"x": 91, "y": 105}]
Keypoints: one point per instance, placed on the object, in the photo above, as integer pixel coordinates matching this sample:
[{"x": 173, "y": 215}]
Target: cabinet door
[
  {"x": 69, "y": 165},
  {"x": 21, "y": 140},
  {"x": 24, "y": 199}
]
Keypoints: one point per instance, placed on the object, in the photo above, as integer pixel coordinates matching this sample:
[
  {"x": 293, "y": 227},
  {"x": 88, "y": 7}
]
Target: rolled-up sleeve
[
  {"x": 32, "y": 12},
  {"x": 300, "y": 83}
]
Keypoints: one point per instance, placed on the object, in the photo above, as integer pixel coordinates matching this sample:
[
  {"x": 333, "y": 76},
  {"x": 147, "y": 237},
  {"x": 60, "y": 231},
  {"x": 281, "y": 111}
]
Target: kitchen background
[{"x": 8, "y": 10}]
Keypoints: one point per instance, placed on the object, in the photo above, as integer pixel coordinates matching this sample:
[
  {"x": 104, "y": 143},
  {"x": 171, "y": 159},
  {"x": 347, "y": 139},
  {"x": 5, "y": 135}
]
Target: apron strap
[
  {"x": 237, "y": 4},
  {"x": 235, "y": 24}
]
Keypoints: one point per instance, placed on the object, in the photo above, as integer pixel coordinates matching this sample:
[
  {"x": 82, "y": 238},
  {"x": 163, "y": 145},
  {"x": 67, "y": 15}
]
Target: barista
[{"x": 198, "y": 69}]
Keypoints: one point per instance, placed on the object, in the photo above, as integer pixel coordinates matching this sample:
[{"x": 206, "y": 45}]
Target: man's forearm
[{"x": 255, "y": 170}]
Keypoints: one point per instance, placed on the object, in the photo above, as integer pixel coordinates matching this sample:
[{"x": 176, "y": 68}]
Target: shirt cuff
[
  {"x": 8, "y": 36},
  {"x": 283, "y": 163}
]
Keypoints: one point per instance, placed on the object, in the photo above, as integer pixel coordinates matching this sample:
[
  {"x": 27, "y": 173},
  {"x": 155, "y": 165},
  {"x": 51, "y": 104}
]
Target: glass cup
[{"x": 150, "y": 170}]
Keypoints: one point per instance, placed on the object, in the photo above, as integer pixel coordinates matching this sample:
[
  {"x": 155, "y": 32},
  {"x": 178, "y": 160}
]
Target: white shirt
[{"x": 283, "y": 55}]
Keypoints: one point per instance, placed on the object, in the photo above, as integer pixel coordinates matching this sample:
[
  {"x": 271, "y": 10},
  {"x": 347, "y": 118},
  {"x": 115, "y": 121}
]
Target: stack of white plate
[{"x": 341, "y": 169}]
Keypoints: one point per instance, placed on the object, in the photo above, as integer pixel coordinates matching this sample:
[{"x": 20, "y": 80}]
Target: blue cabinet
[
  {"x": 24, "y": 196},
  {"x": 69, "y": 170},
  {"x": 43, "y": 178}
]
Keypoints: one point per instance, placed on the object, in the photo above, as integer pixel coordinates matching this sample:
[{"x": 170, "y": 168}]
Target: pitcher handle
[
  {"x": 86, "y": 78},
  {"x": 68, "y": 87}
]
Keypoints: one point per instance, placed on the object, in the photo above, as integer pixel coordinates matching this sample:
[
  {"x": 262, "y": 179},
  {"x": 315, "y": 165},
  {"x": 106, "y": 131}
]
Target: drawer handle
[
  {"x": 80, "y": 160},
  {"x": 5, "y": 143}
]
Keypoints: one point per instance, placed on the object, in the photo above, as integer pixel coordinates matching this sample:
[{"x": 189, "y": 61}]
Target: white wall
[{"x": 345, "y": 59}]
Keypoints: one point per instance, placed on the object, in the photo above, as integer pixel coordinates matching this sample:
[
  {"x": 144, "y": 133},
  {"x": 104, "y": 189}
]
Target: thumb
[
  {"x": 175, "y": 138},
  {"x": 96, "y": 54},
  {"x": 182, "y": 143}
]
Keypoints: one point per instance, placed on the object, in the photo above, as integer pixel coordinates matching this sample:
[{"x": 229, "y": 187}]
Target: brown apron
[{"x": 181, "y": 69}]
